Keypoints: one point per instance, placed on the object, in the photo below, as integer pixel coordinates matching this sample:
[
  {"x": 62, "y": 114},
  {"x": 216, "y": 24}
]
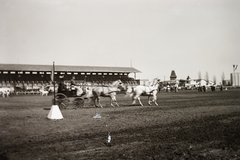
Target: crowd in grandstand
[{"x": 34, "y": 86}]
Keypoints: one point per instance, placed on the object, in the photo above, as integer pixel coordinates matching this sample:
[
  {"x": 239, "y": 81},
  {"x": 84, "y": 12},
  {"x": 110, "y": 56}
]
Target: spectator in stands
[{"x": 61, "y": 86}]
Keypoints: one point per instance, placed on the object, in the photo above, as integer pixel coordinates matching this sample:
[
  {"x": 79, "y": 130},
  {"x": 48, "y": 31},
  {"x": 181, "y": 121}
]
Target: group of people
[
  {"x": 175, "y": 87},
  {"x": 202, "y": 89},
  {"x": 213, "y": 88}
]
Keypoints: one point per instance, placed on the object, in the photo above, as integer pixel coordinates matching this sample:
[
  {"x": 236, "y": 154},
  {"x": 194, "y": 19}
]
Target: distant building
[
  {"x": 172, "y": 81},
  {"x": 235, "y": 79},
  {"x": 173, "y": 75},
  {"x": 193, "y": 83},
  {"x": 226, "y": 82},
  {"x": 144, "y": 82}
]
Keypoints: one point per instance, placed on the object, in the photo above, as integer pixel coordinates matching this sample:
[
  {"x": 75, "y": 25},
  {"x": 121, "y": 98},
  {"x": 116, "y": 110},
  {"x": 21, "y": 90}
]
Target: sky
[{"x": 192, "y": 37}]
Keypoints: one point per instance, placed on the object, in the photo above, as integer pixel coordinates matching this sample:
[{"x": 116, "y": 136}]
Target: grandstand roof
[{"x": 65, "y": 68}]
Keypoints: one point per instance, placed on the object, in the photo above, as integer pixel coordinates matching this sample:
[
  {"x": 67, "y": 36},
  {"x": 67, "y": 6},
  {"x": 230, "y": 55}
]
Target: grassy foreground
[{"x": 185, "y": 125}]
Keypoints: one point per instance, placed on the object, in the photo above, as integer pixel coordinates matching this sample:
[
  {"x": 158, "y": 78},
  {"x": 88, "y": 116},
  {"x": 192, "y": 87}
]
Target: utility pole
[{"x": 53, "y": 79}]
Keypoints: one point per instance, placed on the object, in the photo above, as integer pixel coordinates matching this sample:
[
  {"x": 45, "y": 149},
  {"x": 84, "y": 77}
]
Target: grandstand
[{"x": 32, "y": 77}]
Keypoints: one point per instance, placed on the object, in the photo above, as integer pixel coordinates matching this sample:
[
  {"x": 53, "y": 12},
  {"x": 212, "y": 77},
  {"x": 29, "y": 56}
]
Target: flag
[
  {"x": 52, "y": 75},
  {"x": 235, "y": 67},
  {"x": 52, "y": 72}
]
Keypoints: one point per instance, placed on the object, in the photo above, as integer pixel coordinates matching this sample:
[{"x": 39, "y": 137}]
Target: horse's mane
[{"x": 116, "y": 82}]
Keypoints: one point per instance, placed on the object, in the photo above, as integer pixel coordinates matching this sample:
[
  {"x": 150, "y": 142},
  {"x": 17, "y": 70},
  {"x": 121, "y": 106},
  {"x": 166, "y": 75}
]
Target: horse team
[
  {"x": 111, "y": 91},
  {"x": 107, "y": 91}
]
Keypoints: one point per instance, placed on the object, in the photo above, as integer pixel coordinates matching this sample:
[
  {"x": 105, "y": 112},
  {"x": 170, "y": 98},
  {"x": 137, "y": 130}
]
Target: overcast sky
[{"x": 154, "y": 36}]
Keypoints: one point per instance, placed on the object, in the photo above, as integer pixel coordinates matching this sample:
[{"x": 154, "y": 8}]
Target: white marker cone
[{"x": 55, "y": 113}]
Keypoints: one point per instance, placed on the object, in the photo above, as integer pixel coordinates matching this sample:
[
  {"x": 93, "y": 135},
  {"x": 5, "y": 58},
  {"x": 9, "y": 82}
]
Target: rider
[
  {"x": 61, "y": 86},
  {"x": 73, "y": 83}
]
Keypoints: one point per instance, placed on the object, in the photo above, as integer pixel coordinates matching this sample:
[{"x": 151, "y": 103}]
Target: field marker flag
[
  {"x": 235, "y": 67},
  {"x": 55, "y": 112},
  {"x": 109, "y": 137}
]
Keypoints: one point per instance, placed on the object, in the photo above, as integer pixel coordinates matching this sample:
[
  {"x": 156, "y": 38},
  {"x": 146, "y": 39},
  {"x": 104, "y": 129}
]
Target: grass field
[{"x": 185, "y": 125}]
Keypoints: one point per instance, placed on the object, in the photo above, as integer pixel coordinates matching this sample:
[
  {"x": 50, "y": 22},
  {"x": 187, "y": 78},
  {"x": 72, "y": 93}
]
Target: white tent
[{"x": 55, "y": 113}]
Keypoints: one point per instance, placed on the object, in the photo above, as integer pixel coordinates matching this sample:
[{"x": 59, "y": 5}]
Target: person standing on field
[{"x": 176, "y": 87}]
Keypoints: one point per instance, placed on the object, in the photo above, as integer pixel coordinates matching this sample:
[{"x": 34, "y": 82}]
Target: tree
[
  {"x": 223, "y": 77},
  {"x": 199, "y": 75},
  {"x": 214, "y": 79},
  {"x": 206, "y": 76}
]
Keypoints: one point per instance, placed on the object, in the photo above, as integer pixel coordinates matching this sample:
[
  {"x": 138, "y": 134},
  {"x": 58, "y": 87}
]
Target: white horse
[
  {"x": 5, "y": 92},
  {"x": 43, "y": 92},
  {"x": 51, "y": 89},
  {"x": 107, "y": 91},
  {"x": 149, "y": 91}
]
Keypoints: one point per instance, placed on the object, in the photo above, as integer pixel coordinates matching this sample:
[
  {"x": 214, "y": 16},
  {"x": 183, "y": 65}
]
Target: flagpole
[
  {"x": 54, "y": 112},
  {"x": 54, "y": 101}
]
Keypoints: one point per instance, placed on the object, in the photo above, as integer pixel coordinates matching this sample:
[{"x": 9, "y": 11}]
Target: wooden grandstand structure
[{"x": 32, "y": 77}]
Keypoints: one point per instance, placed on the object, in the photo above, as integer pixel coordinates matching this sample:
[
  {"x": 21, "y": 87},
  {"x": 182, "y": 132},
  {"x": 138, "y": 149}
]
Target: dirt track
[{"x": 185, "y": 125}]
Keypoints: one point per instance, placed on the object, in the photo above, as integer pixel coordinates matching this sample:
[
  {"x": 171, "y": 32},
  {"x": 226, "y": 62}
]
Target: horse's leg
[
  {"x": 134, "y": 99},
  {"x": 111, "y": 101},
  {"x": 155, "y": 99},
  {"x": 95, "y": 97},
  {"x": 115, "y": 100},
  {"x": 94, "y": 101},
  {"x": 99, "y": 103},
  {"x": 149, "y": 101},
  {"x": 139, "y": 100},
  {"x": 116, "y": 103},
  {"x": 98, "y": 100}
]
